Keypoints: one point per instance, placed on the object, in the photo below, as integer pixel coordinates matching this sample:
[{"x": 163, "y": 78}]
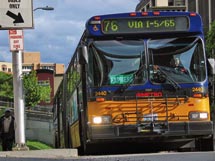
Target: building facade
[
  {"x": 31, "y": 61},
  {"x": 6, "y": 67},
  {"x": 206, "y": 8}
]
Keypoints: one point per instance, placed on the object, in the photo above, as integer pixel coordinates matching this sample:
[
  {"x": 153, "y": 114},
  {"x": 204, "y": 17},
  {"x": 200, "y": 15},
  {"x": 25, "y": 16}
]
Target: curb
[{"x": 49, "y": 153}]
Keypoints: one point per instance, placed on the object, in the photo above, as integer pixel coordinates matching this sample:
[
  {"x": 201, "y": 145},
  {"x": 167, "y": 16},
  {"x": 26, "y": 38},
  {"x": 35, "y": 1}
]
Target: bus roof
[{"x": 144, "y": 23}]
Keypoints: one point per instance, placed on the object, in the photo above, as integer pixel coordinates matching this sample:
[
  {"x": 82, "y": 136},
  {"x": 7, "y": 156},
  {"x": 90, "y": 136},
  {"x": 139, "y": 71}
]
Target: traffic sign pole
[
  {"x": 16, "y": 47},
  {"x": 17, "y": 15},
  {"x": 19, "y": 111}
]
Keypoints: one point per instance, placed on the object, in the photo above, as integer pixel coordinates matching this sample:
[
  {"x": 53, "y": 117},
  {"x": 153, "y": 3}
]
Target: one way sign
[{"x": 16, "y": 14}]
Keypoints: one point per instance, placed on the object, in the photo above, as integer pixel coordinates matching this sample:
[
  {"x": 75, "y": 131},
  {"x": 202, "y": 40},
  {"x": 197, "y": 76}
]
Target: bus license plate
[{"x": 150, "y": 117}]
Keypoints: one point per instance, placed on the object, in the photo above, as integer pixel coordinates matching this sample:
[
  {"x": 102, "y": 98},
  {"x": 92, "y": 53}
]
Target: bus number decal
[
  {"x": 110, "y": 25},
  {"x": 197, "y": 89},
  {"x": 101, "y": 93}
]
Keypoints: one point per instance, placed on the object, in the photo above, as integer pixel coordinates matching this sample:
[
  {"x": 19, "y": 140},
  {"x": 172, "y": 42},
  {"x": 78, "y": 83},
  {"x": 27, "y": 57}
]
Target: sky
[{"x": 56, "y": 33}]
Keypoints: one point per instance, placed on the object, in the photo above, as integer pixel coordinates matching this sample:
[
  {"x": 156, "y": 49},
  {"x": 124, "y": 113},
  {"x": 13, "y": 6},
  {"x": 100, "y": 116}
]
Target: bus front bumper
[{"x": 171, "y": 129}]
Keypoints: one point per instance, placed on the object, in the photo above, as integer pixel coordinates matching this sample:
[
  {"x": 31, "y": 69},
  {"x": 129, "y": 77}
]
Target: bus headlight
[
  {"x": 102, "y": 119},
  {"x": 198, "y": 115}
]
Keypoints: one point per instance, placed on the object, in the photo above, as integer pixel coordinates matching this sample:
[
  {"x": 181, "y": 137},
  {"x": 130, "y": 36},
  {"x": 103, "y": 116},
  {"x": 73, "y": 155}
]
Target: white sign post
[
  {"x": 16, "y": 38},
  {"x": 16, "y": 46},
  {"x": 19, "y": 108},
  {"x": 16, "y": 14}
]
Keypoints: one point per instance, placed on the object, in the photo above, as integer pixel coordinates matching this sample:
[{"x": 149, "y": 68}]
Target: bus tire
[{"x": 204, "y": 144}]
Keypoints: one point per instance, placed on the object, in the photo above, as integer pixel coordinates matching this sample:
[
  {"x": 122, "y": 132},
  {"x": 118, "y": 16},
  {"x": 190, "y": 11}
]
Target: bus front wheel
[{"x": 204, "y": 144}]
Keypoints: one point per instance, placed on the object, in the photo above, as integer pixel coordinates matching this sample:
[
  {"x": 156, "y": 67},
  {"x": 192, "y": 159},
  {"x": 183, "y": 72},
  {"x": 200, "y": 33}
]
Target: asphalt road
[{"x": 69, "y": 155}]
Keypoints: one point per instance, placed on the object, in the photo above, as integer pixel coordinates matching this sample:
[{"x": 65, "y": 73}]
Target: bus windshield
[
  {"x": 179, "y": 59},
  {"x": 113, "y": 62}
]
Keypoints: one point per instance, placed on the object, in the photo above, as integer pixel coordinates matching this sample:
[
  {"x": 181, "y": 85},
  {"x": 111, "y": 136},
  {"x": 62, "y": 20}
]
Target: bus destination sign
[{"x": 144, "y": 25}]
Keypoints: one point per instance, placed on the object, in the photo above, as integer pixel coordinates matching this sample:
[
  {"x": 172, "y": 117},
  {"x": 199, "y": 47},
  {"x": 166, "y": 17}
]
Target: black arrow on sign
[{"x": 17, "y": 18}]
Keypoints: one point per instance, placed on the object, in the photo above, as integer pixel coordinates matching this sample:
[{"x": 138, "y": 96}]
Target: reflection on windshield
[
  {"x": 115, "y": 62},
  {"x": 173, "y": 61},
  {"x": 181, "y": 59}
]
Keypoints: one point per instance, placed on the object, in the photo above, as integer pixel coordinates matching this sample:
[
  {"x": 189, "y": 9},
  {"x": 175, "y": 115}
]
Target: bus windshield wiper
[{"x": 169, "y": 79}]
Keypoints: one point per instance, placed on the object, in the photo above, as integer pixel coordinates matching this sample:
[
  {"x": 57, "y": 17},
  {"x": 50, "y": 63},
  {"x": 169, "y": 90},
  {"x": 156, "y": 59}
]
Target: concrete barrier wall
[{"x": 39, "y": 129}]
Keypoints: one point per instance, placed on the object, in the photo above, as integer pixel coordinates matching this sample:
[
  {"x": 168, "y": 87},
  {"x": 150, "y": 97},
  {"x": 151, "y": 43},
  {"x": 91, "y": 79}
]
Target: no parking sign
[{"x": 16, "y": 40}]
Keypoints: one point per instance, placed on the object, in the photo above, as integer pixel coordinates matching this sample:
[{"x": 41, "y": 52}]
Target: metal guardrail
[
  {"x": 39, "y": 115},
  {"x": 5, "y": 104},
  {"x": 36, "y": 113}
]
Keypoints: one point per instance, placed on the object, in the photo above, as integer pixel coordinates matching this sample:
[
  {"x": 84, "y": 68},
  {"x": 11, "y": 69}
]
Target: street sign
[
  {"x": 16, "y": 40},
  {"x": 16, "y": 14}
]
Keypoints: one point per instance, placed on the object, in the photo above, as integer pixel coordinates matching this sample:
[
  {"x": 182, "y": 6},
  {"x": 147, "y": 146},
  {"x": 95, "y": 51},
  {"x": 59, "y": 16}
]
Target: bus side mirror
[
  {"x": 83, "y": 54},
  {"x": 211, "y": 66}
]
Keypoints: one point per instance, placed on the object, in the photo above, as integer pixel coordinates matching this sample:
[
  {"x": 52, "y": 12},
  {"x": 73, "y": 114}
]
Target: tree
[
  {"x": 45, "y": 91},
  {"x": 6, "y": 85},
  {"x": 34, "y": 92},
  {"x": 210, "y": 41}
]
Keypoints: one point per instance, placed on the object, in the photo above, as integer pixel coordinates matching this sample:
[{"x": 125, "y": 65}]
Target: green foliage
[
  {"x": 34, "y": 92},
  {"x": 45, "y": 93},
  {"x": 31, "y": 89},
  {"x": 6, "y": 85},
  {"x": 210, "y": 40},
  {"x": 35, "y": 145},
  {"x": 2, "y": 112},
  {"x": 73, "y": 78}
]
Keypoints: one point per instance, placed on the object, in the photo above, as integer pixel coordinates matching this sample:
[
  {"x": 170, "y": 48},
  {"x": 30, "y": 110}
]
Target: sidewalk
[{"x": 49, "y": 153}]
